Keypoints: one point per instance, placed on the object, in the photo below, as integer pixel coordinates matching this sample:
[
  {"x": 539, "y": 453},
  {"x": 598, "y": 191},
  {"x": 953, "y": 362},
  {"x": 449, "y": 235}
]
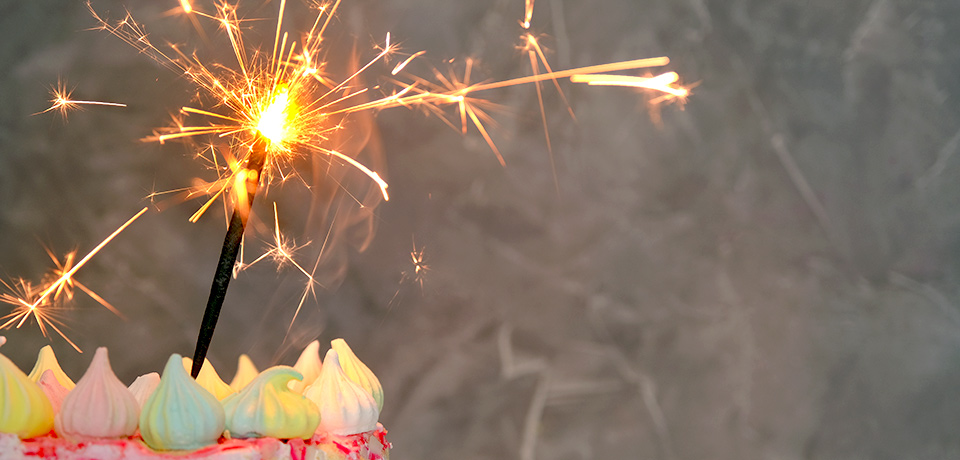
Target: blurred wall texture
[{"x": 769, "y": 272}]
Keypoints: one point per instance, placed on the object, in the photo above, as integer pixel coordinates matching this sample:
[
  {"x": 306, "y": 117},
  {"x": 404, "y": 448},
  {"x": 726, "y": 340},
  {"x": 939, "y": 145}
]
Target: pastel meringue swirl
[
  {"x": 266, "y": 407},
  {"x": 180, "y": 414},
  {"x": 46, "y": 360},
  {"x": 358, "y": 372},
  {"x": 308, "y": 365},
  {"x": 51, "y": 387},
  {"x": 100, "y": 406},
  {"x": 246, "y": 372},
  {"x": 209, "y": 379},
  {"x": 24, "y": 410},
  {"x": 345, "y": 407},
  {"x": 144, "y": 386}
]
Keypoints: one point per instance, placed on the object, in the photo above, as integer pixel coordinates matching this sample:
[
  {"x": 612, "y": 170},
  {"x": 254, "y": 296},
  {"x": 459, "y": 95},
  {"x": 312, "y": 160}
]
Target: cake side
[
  {"x": 176, "y": 417},
  {"x": 371, "y": 445}
]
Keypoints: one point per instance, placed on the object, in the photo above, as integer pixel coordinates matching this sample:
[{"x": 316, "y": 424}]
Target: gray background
[{"x": 770, "y": 273}]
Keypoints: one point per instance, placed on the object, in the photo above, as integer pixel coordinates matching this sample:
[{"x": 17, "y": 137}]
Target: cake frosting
[
  {"x": 268, "y": 408},
  {"x": 246, "y": 372},
  {"x": 53, "y": 389},
  {"x": 144, "y": 386},
  {"x": 46, "y": 360},
  {"x": 100, "y": 406},
  {"x": 26, "y": 411},
  {"x": 308, "y": 365},
  {"x": 345, "y": 407},
  {"x": 174, "y": 417},
  {"x": 180, "y": 414},
  {"x": 358, "y": 372},
  {"x": 209, "y": 379}
]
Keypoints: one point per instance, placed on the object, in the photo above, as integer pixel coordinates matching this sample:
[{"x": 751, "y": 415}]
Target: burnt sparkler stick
[{"x": 228, "y": 254}]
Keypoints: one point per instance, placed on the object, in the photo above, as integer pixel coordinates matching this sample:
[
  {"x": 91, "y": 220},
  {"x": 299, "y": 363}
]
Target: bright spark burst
[
  {"x": 44, "y": 301},
  {"x": 62, "y": 102},
  {"x": 284, "y": 96},
  {"x": 287, "y": 96}
]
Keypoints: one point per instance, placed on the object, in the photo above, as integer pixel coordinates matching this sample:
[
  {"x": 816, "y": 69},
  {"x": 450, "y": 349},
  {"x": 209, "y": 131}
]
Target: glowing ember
[
  {"x": 275, "y": 119},
  {"x": 527, "y": 14},
  {"x": 62, "y": 103},
  {"x": 663, "y": 83}
]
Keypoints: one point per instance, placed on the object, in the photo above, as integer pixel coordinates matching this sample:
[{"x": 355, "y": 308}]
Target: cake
[{"x": 316, "y": 410}]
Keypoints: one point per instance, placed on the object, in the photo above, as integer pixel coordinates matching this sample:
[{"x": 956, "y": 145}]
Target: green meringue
[
  {"x": 358, "y": 372},
  {"x": 180, "y": 414},
  {"x": 266, "y": 407}
]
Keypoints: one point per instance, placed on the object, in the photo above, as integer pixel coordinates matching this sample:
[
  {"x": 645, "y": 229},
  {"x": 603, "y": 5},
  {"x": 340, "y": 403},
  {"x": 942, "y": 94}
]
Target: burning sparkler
[
  {"x": 44, "y": 301},
  {"x": 272, "y": 107}
]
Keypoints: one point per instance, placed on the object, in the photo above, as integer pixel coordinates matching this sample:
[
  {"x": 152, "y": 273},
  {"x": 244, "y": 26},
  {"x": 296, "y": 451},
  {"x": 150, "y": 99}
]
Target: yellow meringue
[
  {"x": 180, "y": 414},
  {"x": 209, "y": 379},
  {"x": 100, "y": 406},
  {"x": 47, "y": 360},
  {"x": 358, "y": 372},
  {"x": 308, "y": 365},
  {"x": 267, "y": 407},
  {"x": 24, "y": 410},
  {"x": 246, "y": 372},
  {"x": 345, "y": 407}
]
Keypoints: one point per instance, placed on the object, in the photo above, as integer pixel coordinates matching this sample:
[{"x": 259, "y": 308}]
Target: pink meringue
[
  {"x": 51, "y": 387},
  {"x": 100, "y": 406}
]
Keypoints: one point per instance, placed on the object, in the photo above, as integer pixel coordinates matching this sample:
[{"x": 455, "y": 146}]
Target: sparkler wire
[{"x": 228, "y": 253}]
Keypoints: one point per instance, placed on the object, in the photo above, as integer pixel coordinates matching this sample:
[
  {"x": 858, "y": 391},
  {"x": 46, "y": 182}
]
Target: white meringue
[
  {"x": 358, "y": 372},
  {"x": 345, "y": 407},
  {"x": 144, "y": 386}
]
